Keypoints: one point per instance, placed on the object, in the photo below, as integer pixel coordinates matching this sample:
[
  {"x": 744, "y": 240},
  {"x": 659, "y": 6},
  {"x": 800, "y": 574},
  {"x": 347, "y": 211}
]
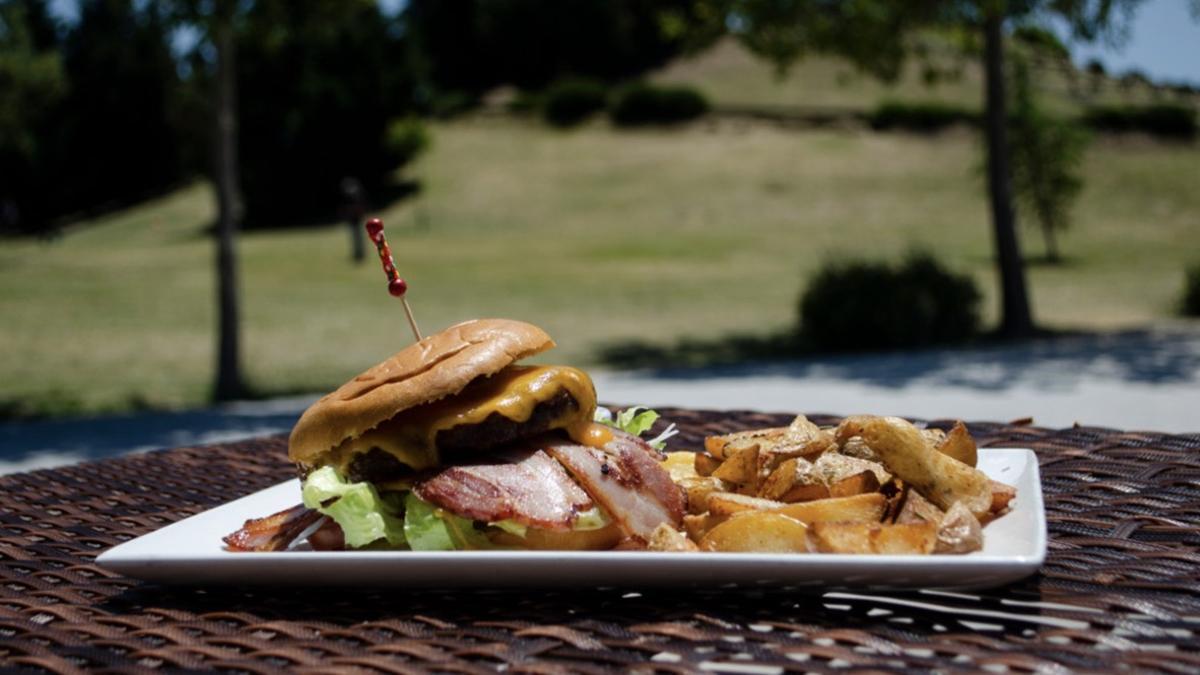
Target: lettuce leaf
[
  {"x": 637, "y": 421},
  {"x": 429, "y": 528},
  {"x": 363, "y": 514}
]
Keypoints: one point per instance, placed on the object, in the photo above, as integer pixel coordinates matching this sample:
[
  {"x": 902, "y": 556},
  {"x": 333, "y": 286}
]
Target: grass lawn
[{"x": 597, "y": 235}]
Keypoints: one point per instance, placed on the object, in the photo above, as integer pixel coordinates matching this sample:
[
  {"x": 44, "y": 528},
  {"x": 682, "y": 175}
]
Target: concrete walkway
[{"x": 1147, "y": 380}]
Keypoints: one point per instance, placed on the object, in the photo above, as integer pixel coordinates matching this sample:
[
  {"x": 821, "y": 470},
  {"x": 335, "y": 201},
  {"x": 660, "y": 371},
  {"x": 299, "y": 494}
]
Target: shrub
[
  {"x": 406, "y": 138},
  {"x": 648, "y": 104},
  {"x": 569, "y": 102},
  {"x": 863, "y": 305},
  {"x": 924, "y": 117},
  {"x": 1191, "y": 291},
  {"x": 1164, "y": 119}
]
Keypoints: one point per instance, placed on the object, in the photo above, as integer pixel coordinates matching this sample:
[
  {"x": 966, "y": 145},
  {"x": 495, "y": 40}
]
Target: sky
[{"x": 1163, "y": 41}]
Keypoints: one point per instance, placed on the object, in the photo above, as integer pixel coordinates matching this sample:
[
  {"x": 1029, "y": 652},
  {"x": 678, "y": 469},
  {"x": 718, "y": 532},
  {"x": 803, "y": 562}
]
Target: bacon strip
[
  {"x": 275, "y": 532},
  {"x": 533, "y": 490},
  {"x": 627, "y": 480}
]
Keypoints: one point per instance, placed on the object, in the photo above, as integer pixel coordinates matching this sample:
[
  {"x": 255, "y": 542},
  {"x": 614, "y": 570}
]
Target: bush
[
  {"x": 406, "y": 138},
  {"x": 1164, "y": 119},
  {"x": 569, "y": 102},
  {"x": 648, "y": 104},
  {"x": 1191, "y": 291},
  {"x": 866, "y": 305},
  {"x": 924, "y": 117}
]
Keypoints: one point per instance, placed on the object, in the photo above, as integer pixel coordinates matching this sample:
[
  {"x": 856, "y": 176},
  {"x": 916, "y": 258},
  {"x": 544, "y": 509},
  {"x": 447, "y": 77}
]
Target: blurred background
[{"x": 667, "y": 186}]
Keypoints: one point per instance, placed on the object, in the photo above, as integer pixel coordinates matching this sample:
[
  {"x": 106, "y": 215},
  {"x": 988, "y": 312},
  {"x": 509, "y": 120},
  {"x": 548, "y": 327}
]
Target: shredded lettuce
[
  {"x": 594, "y": 518},
  {"x": 429, "y": 528},
  {"x": 363, "y": 514},
  {"x": 637, "y": 421}
]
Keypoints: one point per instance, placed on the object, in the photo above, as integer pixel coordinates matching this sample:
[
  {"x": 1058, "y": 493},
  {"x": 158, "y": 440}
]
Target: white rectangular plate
[{"x": 190, "y": 552}]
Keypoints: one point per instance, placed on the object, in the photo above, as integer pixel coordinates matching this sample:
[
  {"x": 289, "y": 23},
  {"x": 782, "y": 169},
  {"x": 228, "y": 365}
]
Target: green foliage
[
  {"x": 32, "y": 86},
  {"x": 1041, "y": 41},
  {"x": 862, "y": 305},
  {"x": 322, "y": 83},
  {"x": 1191, "y": 291},
  {"x": 1047, "y": 158},
  {"x": 407, "y": 137},
  {"x": 569, "y": 102},
  {"x": 473, "y": 46},
  {"x": 640, "y": 104},
  {"x": 924, "y": 117},
  {"x": 1166, "y": 120}
]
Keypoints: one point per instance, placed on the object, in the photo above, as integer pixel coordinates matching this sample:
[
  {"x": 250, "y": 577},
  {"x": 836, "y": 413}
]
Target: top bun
[{"x": 438, "y": 366}]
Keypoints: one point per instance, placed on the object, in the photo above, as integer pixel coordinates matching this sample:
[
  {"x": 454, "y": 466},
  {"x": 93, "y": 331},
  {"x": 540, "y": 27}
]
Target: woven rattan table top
[{"x": 1120, "y": 589}]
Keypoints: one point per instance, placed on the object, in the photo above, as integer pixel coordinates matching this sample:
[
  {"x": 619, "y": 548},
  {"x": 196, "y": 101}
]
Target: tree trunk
[
  {"x": 1051, "y": 244},
  {"x": 229, "y": 384},
  {"x": 1016, "y": 320}
]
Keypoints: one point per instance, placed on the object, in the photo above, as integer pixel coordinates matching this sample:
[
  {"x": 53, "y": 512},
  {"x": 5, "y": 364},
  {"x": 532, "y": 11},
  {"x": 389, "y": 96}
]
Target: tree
[
  {"x": 1046, "y": 156},
  {"x": 878, "y": 35},
  {"x": 216, "y": 20},
  {"x": 32, "y": 87}
]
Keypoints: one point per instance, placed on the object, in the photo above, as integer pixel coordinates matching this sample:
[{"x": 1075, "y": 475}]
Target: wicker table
[{"x": 1120, "y": 589}]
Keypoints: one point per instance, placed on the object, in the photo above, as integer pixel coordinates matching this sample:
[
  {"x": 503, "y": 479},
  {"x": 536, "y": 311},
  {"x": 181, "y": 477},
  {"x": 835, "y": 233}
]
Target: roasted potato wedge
[
  {"x": 698, "y": 488},
  {"x": 780, "y": 481},
  {"x": 729, "y": 503},
  {"x": 759, "y": 532},
  {"x": 940, "y": 478},
  {"x": 705, "y": 464},
  {"x": 804, "y": 493},
  {"x": 959, "y": 445},
  {"x": 959, "y": 531},
  {"x": 740, "y": 468},
  {"x": 859, "y": 508},
  {"x": 666, "y": 538},
  {"x": 680, "y": 465},
  {"x": 908, "y": 538},
  {"x": 858, "y": 484}
]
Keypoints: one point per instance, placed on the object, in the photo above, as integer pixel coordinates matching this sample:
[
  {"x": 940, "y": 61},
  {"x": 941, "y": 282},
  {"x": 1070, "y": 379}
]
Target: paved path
[{"x": 1136, "y": 380}]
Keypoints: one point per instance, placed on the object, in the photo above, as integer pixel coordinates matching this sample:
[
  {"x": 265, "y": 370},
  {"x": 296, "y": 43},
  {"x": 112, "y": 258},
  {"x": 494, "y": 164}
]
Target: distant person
[{"x": 354, "y": 208}]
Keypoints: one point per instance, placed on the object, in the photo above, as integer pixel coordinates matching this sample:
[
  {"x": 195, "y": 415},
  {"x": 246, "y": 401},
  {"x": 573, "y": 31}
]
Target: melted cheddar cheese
[{"x": 514, "y": 393}]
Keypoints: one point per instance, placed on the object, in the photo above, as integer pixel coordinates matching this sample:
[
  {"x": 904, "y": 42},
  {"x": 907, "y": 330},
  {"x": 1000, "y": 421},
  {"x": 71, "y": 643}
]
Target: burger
[{"x": 449, "y": 444}]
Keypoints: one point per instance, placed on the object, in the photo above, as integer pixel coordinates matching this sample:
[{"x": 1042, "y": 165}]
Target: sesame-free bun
[{"x": 438, "y": 366}]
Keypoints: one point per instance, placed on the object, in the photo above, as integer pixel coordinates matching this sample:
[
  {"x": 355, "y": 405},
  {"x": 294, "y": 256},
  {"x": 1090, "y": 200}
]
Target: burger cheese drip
[{"x": 513, "y": 393}]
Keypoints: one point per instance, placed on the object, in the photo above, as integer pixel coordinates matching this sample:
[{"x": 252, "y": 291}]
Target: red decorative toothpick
[{"x": 396, "y": 286}]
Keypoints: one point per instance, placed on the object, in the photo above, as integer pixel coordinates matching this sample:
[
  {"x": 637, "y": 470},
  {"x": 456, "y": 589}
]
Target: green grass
[{"x": 598, "y": 235}]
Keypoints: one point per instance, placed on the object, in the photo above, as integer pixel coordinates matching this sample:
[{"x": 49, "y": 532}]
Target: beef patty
[{"x": 495, "y": 430}]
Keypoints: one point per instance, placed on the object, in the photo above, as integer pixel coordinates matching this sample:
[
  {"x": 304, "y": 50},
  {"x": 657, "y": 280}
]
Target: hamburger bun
[{"x": 438, "y": 366}]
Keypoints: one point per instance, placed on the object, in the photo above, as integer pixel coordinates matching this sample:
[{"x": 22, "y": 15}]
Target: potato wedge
[
  {"x": 917, "y": 509},
  {"x": 858, "y": 484},
  {"x": 697, "y": 489},
  {"x": 1001, "y": 496},
  {"x": 740, "y": 468},
  {"x": 759, "y": 532},
  {"x": 680, "y": 465},
  {"x": 698, "y": 525},
  {"x": 729, "y": 503},
  {"x": 704, "y": 464},
  {"x": 833, "y": 467},
  {"x": 959, "y": 445},
  {"x": 908, "y": 538},
  {"x": 859, "y": 508},
  {"x": 780, "y": 481},
  {"x": 666, "y": 538},
  {"x": 804, "y": 493},
  {"x": 940, "y": 478},
  {"x": 959, "y": 531}
]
